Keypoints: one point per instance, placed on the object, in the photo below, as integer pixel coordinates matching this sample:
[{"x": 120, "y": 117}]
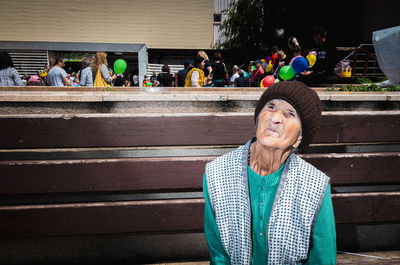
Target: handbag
[{"x": 99, "y": 80}]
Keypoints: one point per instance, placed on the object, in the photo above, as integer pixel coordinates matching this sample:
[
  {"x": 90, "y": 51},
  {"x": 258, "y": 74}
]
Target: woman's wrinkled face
[{"x": 279, "y": 125}]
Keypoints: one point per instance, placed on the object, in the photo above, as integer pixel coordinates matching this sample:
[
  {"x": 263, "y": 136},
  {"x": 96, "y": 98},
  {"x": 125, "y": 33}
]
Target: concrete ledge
[
  {"x": 359, "y": 96},
  {"x": 177, "y": 94}
]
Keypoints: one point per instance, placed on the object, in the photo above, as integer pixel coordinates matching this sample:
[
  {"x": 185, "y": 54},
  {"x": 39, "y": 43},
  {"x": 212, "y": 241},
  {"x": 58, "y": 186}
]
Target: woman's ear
[{"x": 298, "y": 141}]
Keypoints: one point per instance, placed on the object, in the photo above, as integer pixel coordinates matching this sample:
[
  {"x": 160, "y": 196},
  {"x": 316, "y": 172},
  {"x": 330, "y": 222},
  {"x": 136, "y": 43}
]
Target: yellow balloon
[
  {"x": 269, "y": 67},
  {"x": 311, "y": 59},
  {"x": 43, "y": 73}
]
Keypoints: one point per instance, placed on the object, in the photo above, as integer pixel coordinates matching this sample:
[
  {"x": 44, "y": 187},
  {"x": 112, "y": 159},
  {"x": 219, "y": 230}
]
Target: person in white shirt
[
  {"x": 235, "y": 74},
  {"x": 195, "y": 77},
  {"x": 135, "y": 80}
]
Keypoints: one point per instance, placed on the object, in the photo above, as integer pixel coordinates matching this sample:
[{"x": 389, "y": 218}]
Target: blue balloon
[{"x": 300, "y": 64}]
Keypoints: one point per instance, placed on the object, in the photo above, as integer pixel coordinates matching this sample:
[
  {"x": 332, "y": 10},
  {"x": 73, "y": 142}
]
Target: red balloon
[{"x": 267, "y": 81}]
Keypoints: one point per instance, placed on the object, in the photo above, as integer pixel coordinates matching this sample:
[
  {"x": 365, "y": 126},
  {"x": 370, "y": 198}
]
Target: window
[{"x": 217, "y": 18}]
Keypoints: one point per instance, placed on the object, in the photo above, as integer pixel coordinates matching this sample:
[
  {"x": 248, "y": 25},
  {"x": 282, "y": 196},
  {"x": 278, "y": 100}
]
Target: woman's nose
[{"x": 277, "y": 117}]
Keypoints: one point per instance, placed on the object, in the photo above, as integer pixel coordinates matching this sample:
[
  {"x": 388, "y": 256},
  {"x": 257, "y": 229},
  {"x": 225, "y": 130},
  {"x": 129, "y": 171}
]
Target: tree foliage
[{"x": 243, "y": 27}]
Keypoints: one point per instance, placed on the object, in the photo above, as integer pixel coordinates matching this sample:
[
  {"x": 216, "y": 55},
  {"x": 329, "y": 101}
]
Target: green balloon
[
  {"x": 287, "y": 72},
  {"x": 149, "y": 84},
  {"x": 119, "y": 66},
  {"x": 277, "y": 80}
]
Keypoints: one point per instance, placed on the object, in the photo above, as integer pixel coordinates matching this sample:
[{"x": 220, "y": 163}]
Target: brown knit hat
[{"x": 305, "y": 101}]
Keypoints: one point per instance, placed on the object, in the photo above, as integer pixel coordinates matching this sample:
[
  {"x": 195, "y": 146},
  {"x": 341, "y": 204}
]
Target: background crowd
[{"x": 200, "y": 72}]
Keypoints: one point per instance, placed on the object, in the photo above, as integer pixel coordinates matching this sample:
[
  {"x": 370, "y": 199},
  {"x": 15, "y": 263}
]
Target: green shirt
[{"x": 262, "y": 194}]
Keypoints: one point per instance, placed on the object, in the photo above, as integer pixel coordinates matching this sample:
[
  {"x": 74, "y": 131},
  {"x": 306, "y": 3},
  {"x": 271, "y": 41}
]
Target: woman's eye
[{"x": 271, "y": 107}]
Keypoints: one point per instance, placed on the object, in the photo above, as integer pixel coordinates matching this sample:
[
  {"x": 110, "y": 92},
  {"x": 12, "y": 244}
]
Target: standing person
[
  {"x": 153, "y": 78},
  {"x": 183, "y": 73},
  {"x": 86, "y": 76},
  {"x": 326, "y": 57},
  {"x": 235, "y": 74},
  {"x": 219, "y": 71},
  {"x": 294, "y": 48},
  {"x": 242, "y": 81},
  {"x": 8, "y": 74},
  {"x": 101, "y": 74},
  {"x": 257, "y": 74},
  {"x": 165, "y": 78},
  {"x": 195, "y": 77},
  {"x": 263, "y": 203},
  {"x": 207, "y": 67},
  {"x": 120, "y": 80},
  {"x": 135, "y": 80},
  {"x": 57, "y": 75}
]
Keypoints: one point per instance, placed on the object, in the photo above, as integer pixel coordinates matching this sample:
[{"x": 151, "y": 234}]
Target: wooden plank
[
  {"x": 102, "y": 175},
  {"x": 117, "y": 130},
  {"x": 183, "y": 215},
  {"x": 125, "y": 130},
  {"x": 372, "y": 207},
  {"x": 171, "y": 173},
  {"x": 101, "y": 218},
  {"x": 368, "y": 258},
  {"x": 358, "y": 127},
  {"x": 342, "y": 259},
  {"x": 358, "y": 168}
]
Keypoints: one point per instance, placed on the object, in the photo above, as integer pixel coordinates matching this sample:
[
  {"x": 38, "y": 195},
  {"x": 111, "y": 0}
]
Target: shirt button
[
  {"x": 261, "y": 217},
  {"x": 263, "y": 180},
  {"x": 261, "y": 234},
  {"x": 261, "y": 203}
]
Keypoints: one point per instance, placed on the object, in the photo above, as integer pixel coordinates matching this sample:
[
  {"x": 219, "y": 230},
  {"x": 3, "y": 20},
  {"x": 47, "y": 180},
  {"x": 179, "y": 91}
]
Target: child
[{"x": 145, "y": 80}]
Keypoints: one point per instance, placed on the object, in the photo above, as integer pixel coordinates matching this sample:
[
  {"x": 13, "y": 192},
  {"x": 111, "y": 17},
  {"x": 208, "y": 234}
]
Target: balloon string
[{"x": 276, "y": 71}]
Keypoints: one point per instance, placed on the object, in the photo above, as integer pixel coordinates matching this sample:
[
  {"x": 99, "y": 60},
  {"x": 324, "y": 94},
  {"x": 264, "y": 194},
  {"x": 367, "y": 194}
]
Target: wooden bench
[{"x": 128, "y": 187}]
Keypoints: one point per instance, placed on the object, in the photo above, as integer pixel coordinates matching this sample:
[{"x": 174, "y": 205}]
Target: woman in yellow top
[{"x": 195, "y": 77}]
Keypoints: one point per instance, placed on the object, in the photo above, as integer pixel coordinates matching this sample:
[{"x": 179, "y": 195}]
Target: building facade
[{"x": 120, "y": 26}]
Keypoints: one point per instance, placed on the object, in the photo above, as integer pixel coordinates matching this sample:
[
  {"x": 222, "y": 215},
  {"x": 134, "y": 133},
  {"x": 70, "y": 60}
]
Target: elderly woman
[{"x": 263, "y": 203}]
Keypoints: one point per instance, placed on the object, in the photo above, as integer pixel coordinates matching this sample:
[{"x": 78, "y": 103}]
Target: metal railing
[{"x": 363, "y": 61}]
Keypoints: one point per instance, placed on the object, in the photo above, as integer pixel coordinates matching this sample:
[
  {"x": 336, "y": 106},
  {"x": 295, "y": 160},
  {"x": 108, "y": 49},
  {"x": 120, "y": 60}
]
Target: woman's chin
[{"x": 270, "y": 142}]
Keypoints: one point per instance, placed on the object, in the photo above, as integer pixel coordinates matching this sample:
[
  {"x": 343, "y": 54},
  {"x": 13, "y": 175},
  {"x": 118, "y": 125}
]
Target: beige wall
[{"x": 179, "y": 24}]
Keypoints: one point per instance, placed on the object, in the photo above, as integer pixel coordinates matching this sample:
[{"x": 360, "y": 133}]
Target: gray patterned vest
[{"x": 293, "y": 216}]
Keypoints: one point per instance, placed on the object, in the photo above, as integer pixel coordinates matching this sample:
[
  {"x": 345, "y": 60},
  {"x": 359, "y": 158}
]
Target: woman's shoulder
[
  {"x": 235, "y": 154},
  {"x": 303, "y": 165}
]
